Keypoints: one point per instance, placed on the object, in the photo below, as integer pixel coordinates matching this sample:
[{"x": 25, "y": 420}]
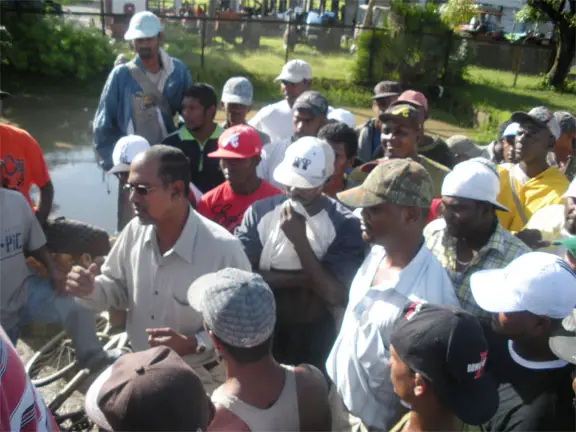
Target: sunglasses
[{"x": 139, "y": 189}]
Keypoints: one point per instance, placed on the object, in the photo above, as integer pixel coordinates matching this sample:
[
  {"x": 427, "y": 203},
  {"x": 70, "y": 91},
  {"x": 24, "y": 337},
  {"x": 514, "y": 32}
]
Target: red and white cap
[{"x": 238, "y": 142}]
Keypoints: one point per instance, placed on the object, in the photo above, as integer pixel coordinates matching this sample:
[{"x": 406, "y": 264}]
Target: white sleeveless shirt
[{"x": 282, "y": 416}]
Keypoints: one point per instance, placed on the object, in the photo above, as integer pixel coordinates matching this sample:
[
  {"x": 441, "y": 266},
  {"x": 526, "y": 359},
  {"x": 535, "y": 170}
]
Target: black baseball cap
[
  {"x": 447, "y": 347},
  {"x": 563, "y": 339}
]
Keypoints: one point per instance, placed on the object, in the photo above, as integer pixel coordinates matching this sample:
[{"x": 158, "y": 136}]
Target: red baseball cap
[
  {"x": 413, "y": 98},
  {"x": 238, "y": 142}
]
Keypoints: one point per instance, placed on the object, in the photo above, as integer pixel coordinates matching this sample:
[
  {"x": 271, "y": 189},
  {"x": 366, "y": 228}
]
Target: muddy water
[{"x": 61, "y": 125}]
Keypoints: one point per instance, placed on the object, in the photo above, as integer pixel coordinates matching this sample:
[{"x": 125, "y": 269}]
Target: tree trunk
[{"x": 565, "y": 51}]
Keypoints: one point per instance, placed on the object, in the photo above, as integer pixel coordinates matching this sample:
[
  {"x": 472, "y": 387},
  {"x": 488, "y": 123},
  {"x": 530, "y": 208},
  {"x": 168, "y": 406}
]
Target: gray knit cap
[{"x": 238, "y": 306}]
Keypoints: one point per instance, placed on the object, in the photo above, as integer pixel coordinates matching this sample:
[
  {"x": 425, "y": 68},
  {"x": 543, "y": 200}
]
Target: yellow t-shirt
[{"x": 537, "y": 192}]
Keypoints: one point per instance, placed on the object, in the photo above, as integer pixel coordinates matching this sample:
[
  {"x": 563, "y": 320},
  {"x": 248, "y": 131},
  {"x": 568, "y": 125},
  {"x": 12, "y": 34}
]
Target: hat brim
[
  {"x": 563, "y": 340},
  {"x": 133, "y": 34},
  {"x": 236, "y": 100},
  {"x": 359, "y": 197},
  {"x": 91, "y": 407},
  {"x": 289, "y": 78},
  {"x": 284, "y": 175},
  {"x": 229, "y": 154},
  {"x": 121, "y": 167},
  {"x": 399, "y": 119},
  {"x": 474, "y": 404},
  {"x": 488, "y": 290},
  {"x": 384, "y": 95},
  {"x": 4, "y": 95},
  {"x": 522, "y": 117}
]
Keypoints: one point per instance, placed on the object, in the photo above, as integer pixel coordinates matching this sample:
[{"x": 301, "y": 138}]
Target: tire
[{"x": 66, "y": 236}]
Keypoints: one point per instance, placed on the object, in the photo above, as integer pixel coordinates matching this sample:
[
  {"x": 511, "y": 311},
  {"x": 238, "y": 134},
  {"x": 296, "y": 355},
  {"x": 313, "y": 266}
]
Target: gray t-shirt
[{"x": 19, "y": 231}]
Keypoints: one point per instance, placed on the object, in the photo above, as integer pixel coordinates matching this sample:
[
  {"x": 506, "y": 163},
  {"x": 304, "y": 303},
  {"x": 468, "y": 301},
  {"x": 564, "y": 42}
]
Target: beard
[{"x": 145, "y": 53}]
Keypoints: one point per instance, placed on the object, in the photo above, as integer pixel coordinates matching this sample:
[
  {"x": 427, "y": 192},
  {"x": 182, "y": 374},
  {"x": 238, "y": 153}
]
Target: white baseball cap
[
  {"x": 143, "y": 25},
  {"x": 126, "y": 150},
  {"x": 536, "y": 282},
  {"x": 571, "y": 191},
  {"x": 238, "y": 90},
  {"x": 295, "y": 71},
  {"x": 307, "y": 164},
  {"x": 342, "y": 116},
  {"x": 475, "y": 179}
]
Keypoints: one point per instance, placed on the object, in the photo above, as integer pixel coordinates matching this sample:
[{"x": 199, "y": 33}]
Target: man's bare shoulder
[
  {"x": 313, "y": 406},
  {"x": 225, "y": 421}
]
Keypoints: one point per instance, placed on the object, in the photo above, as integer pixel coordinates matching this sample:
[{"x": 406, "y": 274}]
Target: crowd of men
[{"x": 291, "y": 272}]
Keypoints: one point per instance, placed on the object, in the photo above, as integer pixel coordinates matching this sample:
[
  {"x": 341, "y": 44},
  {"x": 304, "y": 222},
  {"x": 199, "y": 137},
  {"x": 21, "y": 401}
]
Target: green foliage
[
  {"x": 44, "y": 44},
  {"x": 413, "y": 50},
  {"x": 457, "y": 12}
]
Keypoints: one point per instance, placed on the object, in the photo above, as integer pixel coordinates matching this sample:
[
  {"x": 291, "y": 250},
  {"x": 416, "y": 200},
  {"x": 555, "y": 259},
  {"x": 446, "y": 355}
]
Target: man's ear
[
  {"x": 420, "y": 385},
  {"x": 178, "y": 189}
]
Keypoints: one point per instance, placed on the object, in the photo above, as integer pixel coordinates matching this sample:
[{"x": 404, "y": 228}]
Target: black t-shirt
[{"x": 530, "y": 399}]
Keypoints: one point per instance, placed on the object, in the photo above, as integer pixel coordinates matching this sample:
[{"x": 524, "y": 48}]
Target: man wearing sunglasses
[{"x": 165, "y": 248}]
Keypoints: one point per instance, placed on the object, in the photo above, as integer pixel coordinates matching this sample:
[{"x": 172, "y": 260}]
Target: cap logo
[
  {"x": 233, "y": 141},
  {"x": 301, "y": 163},
  {"x": 478, "y": 367},
  {"x": 412, "y": 310},
  {"x": 403, "y": 111}
]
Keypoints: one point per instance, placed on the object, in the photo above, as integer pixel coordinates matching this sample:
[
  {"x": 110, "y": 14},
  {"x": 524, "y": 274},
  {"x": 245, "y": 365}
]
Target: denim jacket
[{"x": 113, "y": 117}]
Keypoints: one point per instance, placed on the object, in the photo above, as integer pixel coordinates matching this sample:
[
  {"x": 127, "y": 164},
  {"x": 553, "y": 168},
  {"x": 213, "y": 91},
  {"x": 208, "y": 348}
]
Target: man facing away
[
  {"x": 275, "y": 120},
  {"x": 307, "y": 247},
  {"x": 24, "y": 297},
  {"x": 310, "y": 112},
  {"x": 142, "y": 96},
  {"x": 199, "y": 134},
  {"x": 156, "y": 258},
  {"x": 394, "y": 198},
  {"x": 237, "y": 98},
  {"x": 343, "y": 140},
  {"x": 239, "y": 150},
  {"x": 529, "y": 299},
  {"x": 532, "y": 183},
  {"x": 437, "y": 366},
  {"x": 469, "y": 237},
  {"x": 259, "y": 394}
]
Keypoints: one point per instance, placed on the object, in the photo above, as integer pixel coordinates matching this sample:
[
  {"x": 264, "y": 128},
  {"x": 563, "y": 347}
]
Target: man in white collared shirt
[
  {"x": 395, "y": 199},
  {"x": 156, "y": 258}
]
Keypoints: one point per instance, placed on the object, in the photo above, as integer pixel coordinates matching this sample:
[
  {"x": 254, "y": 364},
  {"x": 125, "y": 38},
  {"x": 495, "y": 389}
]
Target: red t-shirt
[
  {"x": 22, "y": 162},
  {"x": 227, "y": 208}
]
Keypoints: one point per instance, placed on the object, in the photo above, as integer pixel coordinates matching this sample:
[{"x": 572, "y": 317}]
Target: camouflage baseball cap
[
  {"x": 312, "y": 101},
  {"x": 403, "y": 113},
  {"x": 396, "y": 181}
]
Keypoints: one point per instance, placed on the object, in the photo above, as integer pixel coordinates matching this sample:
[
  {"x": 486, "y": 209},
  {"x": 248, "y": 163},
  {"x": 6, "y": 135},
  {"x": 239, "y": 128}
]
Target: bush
[
  {"x": 412, "y": 49},
  {"x": 44, "y": 44}
]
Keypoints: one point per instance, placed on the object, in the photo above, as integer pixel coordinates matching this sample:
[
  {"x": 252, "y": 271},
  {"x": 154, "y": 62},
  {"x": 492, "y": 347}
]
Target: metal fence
[{"x": 263, "y": 44}]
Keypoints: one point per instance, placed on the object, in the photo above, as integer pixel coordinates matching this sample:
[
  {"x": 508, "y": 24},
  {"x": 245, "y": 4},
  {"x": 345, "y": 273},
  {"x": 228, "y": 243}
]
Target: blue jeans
[{"x": 45, "y": 306}]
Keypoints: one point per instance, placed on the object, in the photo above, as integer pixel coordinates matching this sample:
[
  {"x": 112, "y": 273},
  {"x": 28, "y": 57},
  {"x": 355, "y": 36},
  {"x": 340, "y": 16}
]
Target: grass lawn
[{"x": 491, "y": 92}]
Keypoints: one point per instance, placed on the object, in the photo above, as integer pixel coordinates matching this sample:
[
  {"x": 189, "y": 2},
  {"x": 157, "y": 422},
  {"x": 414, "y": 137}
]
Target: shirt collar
[
  {"x": 496, "y": 242},
  {"x": 184, "y": 245},
  {"x": 186, "y": 135},
  {"x": 409, "y": 275}
]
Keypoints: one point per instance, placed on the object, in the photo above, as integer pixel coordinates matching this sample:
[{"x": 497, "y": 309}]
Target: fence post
[
  {"x": 287, "y": 42},
  {"x": 203, "y": 41},
  {"x": 102, "y": 17},
  {"x": 371, "y": 62},
  {"x": 447, "y": 56},
  {"x": 518, "y": 65}
]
